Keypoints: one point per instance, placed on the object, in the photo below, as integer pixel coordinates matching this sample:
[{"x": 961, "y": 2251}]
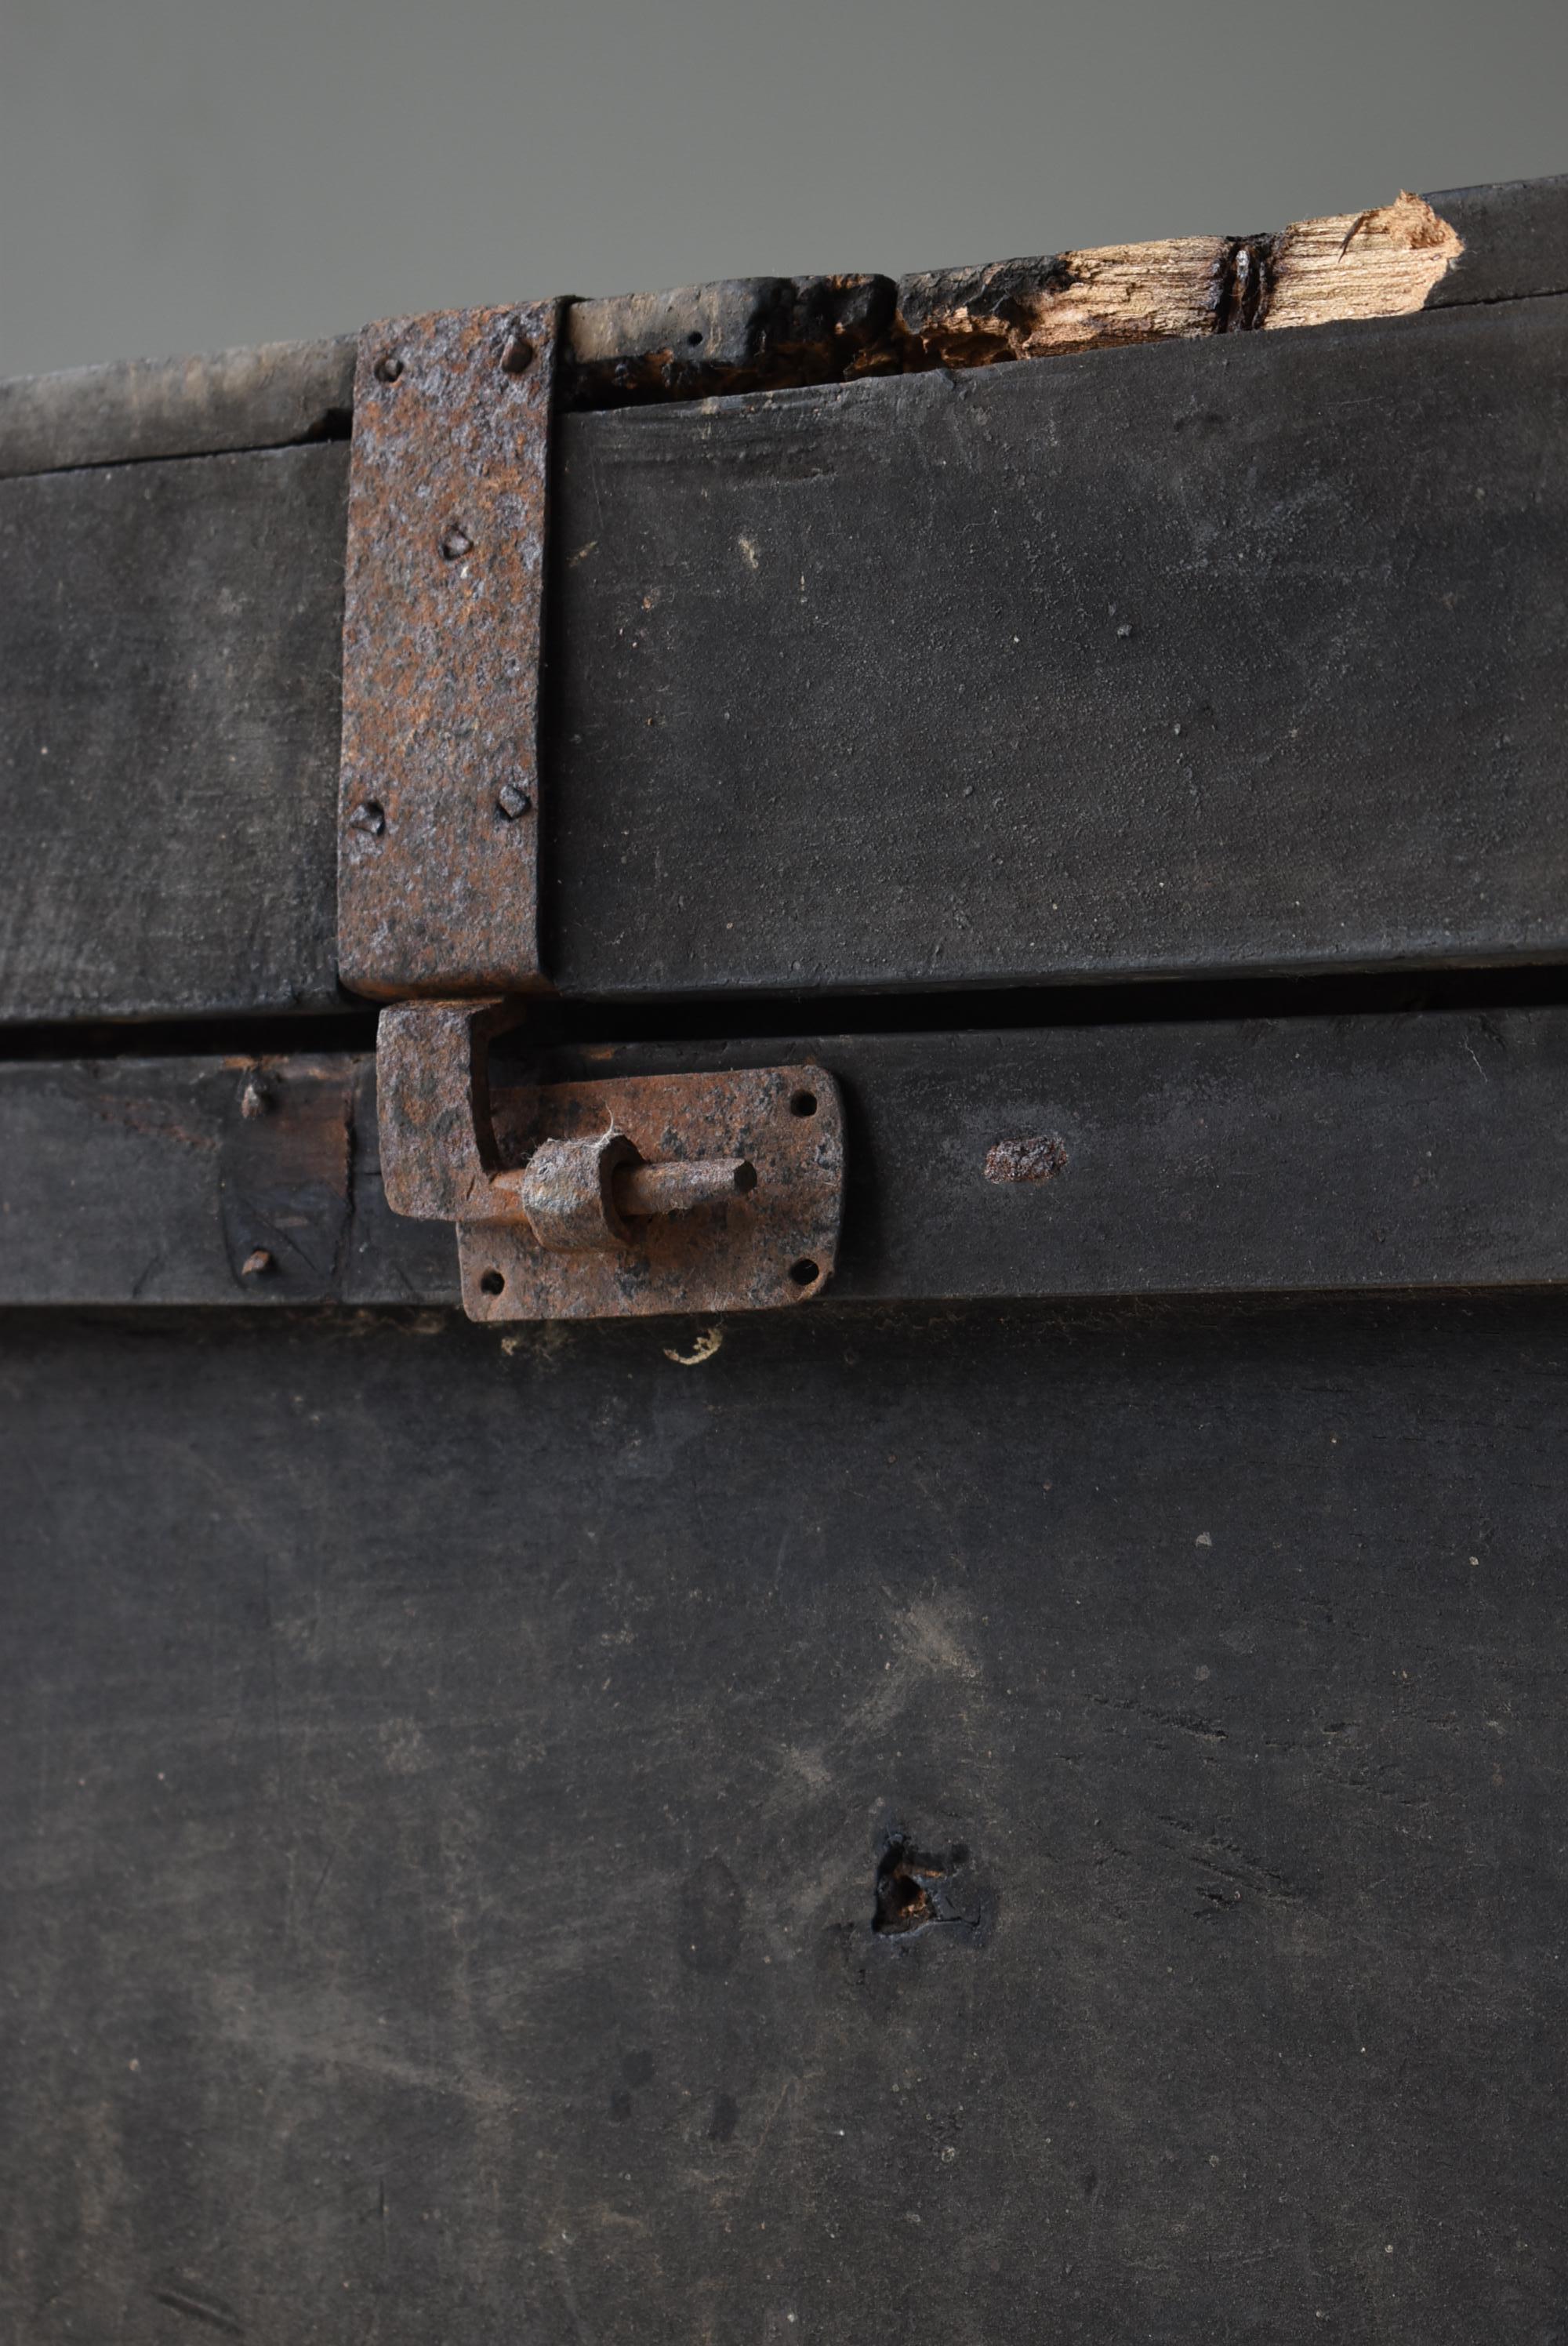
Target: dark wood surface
[
  {"x": 448, "y": 1777},
  {"x": 1382, "y": 1152},
  {"x": 1331, "y": 558},
  {"x": 134, "y": 409},
  {"x": 690, "y": 340},
  {"x": 1201, "y": 656},
  {"x": 1515, "y": 241},
  {"x": 168, "y": 736},
  {"x": 453, "y": 1777}
]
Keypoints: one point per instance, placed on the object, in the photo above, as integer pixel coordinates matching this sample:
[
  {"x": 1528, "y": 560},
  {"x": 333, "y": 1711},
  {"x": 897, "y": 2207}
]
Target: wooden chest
[{"x": 940, "y": 1713}]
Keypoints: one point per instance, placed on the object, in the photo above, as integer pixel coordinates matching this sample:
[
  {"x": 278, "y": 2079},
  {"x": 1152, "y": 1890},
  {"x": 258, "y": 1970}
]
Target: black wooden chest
[{"x": 940, "y": 1713}]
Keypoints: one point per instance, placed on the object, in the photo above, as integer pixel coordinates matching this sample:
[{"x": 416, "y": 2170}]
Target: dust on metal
[
  {"x": 615, "y": 1195},
  {"x": 566, "y": 1191},
  {"x": 588, "y": 1193},
  {"x": 438, "y": 856},
  {"x": 735, "y": 1204},
  {"x": 439, "y": 1156}
]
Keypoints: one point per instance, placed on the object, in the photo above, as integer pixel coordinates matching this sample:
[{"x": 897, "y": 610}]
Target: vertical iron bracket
[{"x": 438, "y": 865}]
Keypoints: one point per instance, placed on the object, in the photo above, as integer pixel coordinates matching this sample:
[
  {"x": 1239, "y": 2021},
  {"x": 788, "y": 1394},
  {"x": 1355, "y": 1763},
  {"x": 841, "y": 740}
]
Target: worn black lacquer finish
[
  {"x": 1332, "y": 557},
  {"x": 1250, "y": 1156},
  {"x": 474, "y": 1799}
]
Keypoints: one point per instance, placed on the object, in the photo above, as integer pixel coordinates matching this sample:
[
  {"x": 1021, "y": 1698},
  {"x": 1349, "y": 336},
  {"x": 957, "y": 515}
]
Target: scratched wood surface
[
  {"x": 448, "y": 1781},
  {"x": 1414, "y": 1150},
  {"x": 168, "y": 736},
  {"x": 1216, "y": 656}
]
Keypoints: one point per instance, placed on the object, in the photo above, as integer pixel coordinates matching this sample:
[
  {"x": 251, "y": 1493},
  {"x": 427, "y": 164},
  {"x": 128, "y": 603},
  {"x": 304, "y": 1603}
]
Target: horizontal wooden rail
[
  {"x": 1228, "y": 655},
  {"x": 1414, "y": 1151}
]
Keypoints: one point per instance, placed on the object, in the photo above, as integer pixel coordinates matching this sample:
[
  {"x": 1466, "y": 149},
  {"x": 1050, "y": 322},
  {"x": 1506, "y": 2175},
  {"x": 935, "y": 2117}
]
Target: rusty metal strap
[
  {"x": 617, "y": 1195},
  {"x": 438, "y": 822}
]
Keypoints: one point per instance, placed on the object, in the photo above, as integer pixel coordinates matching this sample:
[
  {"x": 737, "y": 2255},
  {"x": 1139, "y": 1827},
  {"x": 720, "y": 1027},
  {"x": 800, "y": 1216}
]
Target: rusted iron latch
[
  {"x": 438, "y": 866},
  {"x": 620, "y": 1196},
  {"x": 655, "y": 1193}
]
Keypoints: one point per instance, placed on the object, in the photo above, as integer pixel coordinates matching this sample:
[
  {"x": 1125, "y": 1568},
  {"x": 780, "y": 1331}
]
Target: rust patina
[
  {"x": 439, "y": 806},
  {"x": 611, "y": 1197}
]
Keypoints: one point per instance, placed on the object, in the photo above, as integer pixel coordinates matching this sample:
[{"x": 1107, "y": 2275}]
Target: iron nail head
[{"x": 512, "y": 800}]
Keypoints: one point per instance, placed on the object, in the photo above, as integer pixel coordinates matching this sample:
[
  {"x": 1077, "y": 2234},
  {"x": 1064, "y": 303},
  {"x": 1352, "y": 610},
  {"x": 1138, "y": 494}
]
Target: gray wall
[{"x": 184, "y": 174}]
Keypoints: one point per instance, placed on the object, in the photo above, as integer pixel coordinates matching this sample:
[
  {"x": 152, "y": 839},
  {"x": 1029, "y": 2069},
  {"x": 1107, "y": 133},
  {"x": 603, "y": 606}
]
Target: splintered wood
[
  {"x": 767, "y": 333},
  {"x": 1371, "y": 264},
  {"x": 1076, "y": 301},
  {"x": 1376, "y": 264}
]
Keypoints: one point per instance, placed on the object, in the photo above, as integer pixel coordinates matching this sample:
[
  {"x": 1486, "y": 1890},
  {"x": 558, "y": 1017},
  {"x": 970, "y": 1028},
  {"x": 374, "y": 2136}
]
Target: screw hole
[
  {"x": 693, "y": 339},
  {"x": 803, "y": 1104},
  {"x": 492, "y": 1283},
  {"x": 389, "y": 367},
  {"x": 517, "y": 355},
  {"x": 805, "y": 1273}
]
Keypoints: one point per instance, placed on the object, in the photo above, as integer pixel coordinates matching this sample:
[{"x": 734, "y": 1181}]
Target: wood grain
[
  {"x": 1218, "y": 656},
  {"x": 448, "y": 1777},
  {"x": 1232, "y": 655},
  {"x": 1468, "y": 244},
  {"x": 1213, "y": 1158}
]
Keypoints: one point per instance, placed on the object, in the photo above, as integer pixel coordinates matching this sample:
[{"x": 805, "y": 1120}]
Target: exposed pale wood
[
  {"x": 1369, "y": 1152},
  {"x": 1074, "y": 301},
  {"x": 138, "y": 408},
  {"x": 1469, "y": 244},
  {"x": 1373, "y": 264},
  {"x": 874, "y": 685}
]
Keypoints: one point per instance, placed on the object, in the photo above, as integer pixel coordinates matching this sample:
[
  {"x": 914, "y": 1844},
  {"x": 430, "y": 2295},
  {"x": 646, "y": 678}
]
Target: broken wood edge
[{"x": 773, "y": 333}]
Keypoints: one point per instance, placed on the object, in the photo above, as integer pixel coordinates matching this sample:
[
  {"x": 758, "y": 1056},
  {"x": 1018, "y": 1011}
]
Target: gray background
[{"x": 184, "y": 174}]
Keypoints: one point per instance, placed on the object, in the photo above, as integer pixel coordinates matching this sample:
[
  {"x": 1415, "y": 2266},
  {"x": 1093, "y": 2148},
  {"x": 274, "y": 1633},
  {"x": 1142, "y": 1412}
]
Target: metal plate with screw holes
[
  {"x": 775, "y": 1245},
  {"x": 438, "y": 810}
]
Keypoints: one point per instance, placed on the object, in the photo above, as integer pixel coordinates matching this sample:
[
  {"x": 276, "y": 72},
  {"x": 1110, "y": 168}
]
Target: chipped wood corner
[
  {"x": 774, "y": 334},
  {"x": 1382, "y": 263},
  {"x": 1074, "y": 301}
]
